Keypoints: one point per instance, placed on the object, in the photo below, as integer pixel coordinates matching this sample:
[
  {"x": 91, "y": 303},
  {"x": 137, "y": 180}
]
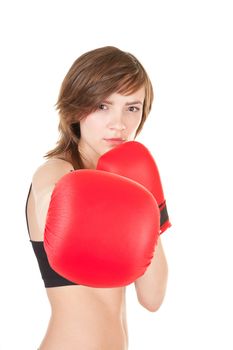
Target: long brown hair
[{"x": 94, "y": 76}]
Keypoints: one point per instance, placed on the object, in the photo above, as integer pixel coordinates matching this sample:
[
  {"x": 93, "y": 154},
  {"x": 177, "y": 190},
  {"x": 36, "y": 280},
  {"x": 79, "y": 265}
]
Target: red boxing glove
[
  {"x": 133, "y": 160},
  {"x": 101, "y": 228}
]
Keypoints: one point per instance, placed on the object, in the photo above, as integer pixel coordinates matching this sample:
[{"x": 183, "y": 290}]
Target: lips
[{"x": 115, "y": 140}]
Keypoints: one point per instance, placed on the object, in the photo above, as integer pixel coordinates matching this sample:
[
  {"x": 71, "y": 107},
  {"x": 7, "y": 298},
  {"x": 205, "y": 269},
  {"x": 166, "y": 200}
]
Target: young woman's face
[{"x": 117, "y": 117}]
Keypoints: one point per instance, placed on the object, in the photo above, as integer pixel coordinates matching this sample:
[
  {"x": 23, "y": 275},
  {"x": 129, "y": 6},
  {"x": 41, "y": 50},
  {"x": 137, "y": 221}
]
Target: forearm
[{"x": 151, "y": 287}]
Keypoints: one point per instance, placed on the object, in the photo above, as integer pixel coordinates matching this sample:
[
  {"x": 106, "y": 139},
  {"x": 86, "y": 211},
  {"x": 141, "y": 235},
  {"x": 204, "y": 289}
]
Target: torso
[
  {"x": 86, "y": 318},
  {"x": 82, "y": 317}
]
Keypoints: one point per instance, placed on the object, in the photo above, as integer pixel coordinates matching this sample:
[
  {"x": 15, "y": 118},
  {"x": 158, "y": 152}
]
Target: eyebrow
[{"x": 127, "y": 103}]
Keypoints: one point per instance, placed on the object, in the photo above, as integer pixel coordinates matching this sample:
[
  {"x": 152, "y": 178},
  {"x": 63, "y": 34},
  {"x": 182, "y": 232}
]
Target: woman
[{"x": 104, "y": 100}]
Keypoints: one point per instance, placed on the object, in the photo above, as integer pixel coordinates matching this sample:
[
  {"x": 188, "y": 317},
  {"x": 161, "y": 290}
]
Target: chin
[{"x": 110, "y": 147}]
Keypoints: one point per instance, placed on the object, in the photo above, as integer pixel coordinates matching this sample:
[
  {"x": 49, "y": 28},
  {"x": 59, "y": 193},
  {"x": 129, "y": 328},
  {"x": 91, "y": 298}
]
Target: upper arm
[{"x": 43, "y": 183}]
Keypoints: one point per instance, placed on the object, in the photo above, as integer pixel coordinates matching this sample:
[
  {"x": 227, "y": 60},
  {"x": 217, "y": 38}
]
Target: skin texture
[{"x": 83, "y": 317}]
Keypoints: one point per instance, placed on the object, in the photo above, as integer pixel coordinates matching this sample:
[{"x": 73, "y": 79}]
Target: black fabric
[
  {"x": 163, "y": 215},
  {"x": 50, "y": 277}
]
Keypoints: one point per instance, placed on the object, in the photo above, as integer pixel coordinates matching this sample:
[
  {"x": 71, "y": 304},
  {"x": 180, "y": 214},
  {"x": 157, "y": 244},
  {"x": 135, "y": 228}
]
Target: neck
[{"x": 89, "y": 164}]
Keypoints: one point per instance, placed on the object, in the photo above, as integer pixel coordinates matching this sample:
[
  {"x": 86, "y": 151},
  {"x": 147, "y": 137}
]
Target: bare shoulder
[
  {"x": 48, "y": 173},
  {"x": 44, "y": 180}
]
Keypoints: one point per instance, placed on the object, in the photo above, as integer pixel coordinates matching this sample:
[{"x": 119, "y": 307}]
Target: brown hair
[{"x": 94, "y": 76}]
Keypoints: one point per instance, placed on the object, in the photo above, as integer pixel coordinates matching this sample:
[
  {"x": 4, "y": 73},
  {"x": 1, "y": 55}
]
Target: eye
[
  {"x": 134, "y": 109},
  {"x": 102, "y": 106}
]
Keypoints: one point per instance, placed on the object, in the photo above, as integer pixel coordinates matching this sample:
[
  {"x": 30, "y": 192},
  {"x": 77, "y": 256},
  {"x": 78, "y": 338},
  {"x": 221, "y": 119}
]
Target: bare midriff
[{"x": 86, "y": 318}]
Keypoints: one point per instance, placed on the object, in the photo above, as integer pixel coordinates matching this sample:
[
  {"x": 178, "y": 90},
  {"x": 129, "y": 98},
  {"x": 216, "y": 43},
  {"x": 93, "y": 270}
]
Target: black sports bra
[{"x": 50, "y": 277}]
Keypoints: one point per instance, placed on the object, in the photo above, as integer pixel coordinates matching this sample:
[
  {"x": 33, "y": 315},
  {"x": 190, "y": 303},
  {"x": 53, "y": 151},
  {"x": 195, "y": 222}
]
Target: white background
[{"x": 186, "y": 47}]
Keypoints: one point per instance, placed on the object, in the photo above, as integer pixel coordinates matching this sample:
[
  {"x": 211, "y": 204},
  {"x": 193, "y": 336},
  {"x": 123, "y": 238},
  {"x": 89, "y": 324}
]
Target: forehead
[{"x": 138, "y": 95}]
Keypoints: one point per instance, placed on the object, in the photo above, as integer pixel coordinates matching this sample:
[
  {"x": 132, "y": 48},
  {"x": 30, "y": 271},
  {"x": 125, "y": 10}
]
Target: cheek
[
  {"x": 91, "y": 125},
  {"x": 134, "y": 122},
  {"x": 95, "y": 122}
]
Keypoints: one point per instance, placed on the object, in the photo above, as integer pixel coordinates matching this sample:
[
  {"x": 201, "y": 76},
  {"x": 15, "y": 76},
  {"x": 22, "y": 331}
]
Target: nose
[{"x": 117, "y": 122}]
